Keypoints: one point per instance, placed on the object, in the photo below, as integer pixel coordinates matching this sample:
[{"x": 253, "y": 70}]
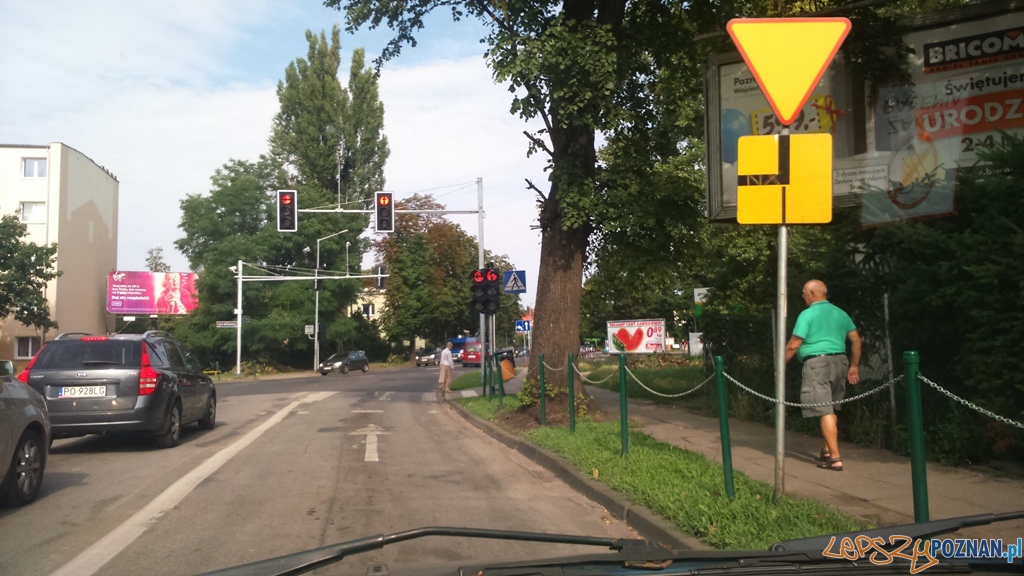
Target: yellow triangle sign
[{"x": 788, "y": 56}]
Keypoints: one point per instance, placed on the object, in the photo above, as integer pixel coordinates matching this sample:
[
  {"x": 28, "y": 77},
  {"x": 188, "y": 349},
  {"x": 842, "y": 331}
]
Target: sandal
[
  {"x": 830, "y": 464},
  {"x": 824, "y": 454}
]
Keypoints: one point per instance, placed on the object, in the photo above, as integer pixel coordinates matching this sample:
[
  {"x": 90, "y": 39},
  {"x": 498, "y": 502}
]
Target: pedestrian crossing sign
[{"x": 515, "y": 282}]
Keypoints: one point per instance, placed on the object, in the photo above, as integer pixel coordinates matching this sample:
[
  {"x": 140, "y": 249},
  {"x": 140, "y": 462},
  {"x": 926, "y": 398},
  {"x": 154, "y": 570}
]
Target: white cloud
[{"x": 164, "y": 94}]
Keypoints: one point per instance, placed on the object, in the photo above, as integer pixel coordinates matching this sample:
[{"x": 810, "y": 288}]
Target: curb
[{"x": 651, "y": 526}]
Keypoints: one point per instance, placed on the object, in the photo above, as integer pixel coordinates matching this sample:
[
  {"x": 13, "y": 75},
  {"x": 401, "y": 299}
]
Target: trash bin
[{"x": 507, "y": 359}]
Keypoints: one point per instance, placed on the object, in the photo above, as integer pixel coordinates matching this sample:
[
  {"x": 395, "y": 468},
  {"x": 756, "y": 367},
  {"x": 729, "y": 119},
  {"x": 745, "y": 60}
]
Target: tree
[
  {"x": 317, "y": 117},
  {"x": 25, "y": 268},
  {"x": 573, "y": 64},
  {"x": 429, "y": 260},
  {"x": 155, "y": 260}
]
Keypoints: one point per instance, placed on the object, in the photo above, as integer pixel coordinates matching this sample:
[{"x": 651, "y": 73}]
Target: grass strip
[{"x": 683, "y": 487}]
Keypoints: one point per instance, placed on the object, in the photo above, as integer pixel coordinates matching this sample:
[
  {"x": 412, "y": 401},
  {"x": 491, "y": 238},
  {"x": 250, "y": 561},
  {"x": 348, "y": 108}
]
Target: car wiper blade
[
  {"x": 912, "y": 531},
  {"x": 302, "y": 562}
]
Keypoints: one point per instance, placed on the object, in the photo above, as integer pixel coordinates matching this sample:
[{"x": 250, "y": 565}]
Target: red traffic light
[
  {"x": 492, "y": 276},
  {"x": 478, "y": 276},
  {"x": 383, "y": 200},
  {"x": 286, "y": 199}
]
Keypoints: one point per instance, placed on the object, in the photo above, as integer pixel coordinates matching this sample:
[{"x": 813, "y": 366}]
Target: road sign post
[{"x": 785, "y": 178}]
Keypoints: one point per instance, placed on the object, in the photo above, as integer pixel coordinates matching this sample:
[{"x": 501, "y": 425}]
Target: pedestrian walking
[
  {"x": 819, "y": 342},
  {"x": 447, "y": 365}
]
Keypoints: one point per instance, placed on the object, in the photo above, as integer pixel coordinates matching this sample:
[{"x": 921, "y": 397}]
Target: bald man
[{"x": 819, "y": 341}]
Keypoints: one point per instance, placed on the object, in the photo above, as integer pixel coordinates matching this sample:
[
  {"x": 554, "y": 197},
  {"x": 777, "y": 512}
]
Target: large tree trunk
[{"x": 556, "y": 321}]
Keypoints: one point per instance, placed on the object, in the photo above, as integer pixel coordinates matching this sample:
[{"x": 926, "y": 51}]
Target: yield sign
[{"x": 788, "y": 56}]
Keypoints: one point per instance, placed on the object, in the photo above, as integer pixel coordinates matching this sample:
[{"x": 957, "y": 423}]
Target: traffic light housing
[
  {"x": 385, "y": 209},
  {"x": 486, "y": 291},
  {"x": 287, "y": 211}
]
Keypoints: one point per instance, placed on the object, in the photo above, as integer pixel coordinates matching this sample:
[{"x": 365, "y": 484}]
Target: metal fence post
[
  {"x": 572, "y": 395},
  {"x": 623, "y": 417},
  {"x": 723, "y": 425},
  {"x": 543, "y": 394},
  {"x": 919, "y": 475}
]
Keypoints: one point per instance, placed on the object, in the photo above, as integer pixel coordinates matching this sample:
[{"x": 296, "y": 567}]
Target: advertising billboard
[
  {"x": 897, "y": 150},
  {"x": 151, "y": 292},
  {"x": 636, "y": 336}
]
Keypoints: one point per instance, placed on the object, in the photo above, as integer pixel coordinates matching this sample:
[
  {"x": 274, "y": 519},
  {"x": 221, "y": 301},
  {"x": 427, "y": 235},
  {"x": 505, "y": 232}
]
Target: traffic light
[
  {"x": 385, "y": 211},
  {"x": 287, "y": 211},
  {"x": 486, "y": 291}
]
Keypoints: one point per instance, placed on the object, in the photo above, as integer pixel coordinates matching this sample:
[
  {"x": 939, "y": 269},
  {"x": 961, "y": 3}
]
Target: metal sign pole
[{"x": 238, "y": 325}]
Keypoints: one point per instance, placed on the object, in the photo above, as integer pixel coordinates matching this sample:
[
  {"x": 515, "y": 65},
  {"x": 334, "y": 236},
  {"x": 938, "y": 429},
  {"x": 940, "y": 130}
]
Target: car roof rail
[
  {"x": 66, "y": 335},
  {"x": 156, "y": 333}
]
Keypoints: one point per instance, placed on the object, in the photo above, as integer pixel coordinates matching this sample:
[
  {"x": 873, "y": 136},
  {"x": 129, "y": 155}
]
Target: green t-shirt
[{"x": 823, "y": 328}]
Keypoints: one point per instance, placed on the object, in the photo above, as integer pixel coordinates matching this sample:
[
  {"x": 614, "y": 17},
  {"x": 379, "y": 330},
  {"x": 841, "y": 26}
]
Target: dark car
[
  {"x": 122, "y": 383},
  {"x": 345, "y": 361},
  {"x": 24, "y": 441},
  {"x": 428, "y": 356}
]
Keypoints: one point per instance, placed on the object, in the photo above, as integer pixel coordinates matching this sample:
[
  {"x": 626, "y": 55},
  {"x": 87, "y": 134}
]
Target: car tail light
[
  {"x": 148, "y": 377},
  {"x": 24, "y": 373}
]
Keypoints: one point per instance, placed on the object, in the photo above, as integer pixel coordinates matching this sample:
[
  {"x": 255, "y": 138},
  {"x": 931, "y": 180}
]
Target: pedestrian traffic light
[
  {"x": 486, "y": 291},
  {"x": 287, "y": 211},
  {"x": 385, "y": 211}
]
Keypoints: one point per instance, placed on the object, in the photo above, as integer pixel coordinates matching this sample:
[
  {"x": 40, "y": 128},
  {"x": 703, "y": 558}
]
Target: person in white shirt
[{"x": 447, "y": 365}]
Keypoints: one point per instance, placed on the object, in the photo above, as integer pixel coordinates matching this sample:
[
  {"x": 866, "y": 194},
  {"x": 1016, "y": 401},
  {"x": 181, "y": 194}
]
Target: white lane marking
[
  {"x": 386, "y": 396},
  {"x": 428, "y": 397},
  {"x": 371, "y": 433},
  {"x": 96, "y": 556},
  {"x": 367, "y": 411},
  {"x": 469, "y": 394}
]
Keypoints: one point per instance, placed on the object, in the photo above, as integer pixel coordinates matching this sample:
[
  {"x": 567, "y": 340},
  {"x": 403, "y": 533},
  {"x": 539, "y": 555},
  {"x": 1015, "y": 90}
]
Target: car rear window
[
  {"x": 473, "y": 348},
  {"x": 78, "y": 354}
]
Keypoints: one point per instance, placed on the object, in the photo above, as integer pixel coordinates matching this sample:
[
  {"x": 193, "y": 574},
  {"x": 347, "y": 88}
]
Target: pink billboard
[{"x": 151, "y": 292}]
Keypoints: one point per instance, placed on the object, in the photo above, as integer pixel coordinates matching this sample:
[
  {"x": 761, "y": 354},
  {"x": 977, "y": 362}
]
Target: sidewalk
[{"x": 875, "y": 484}]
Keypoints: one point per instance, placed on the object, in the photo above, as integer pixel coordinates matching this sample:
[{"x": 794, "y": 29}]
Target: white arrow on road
[{"x": 371, "y": 433}]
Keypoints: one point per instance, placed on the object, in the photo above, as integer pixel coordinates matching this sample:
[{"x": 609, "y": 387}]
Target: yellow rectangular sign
[{"x": 784, "y": 179}]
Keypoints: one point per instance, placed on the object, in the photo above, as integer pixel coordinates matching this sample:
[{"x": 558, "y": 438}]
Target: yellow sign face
[
  {"x": 784, "y": 179},
  {"x": 788, "y": 56}
]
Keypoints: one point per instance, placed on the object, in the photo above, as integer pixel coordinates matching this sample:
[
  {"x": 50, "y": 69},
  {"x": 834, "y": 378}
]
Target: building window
[
  {"x": 368, "y": 310},
  {"x": 33, "y": 167},
  {"x": 27, "y": 346},
  {"x": 33, "y": 212}
]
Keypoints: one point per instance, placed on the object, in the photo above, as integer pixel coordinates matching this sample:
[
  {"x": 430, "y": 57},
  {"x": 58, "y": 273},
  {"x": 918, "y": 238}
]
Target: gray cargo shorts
[{"x": 824, "y": 380}]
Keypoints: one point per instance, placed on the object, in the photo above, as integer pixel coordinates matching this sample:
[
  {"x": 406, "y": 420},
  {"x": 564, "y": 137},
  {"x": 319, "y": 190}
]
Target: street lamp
[
  {"x": 346, "y": 258},
  {"x": 316, "y": 317}
]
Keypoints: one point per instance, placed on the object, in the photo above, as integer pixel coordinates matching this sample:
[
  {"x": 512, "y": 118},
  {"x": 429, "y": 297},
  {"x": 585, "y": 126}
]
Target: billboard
[
  {"x": 151, "y": 292},
  {"x": 636, "y": 336},
  {"x": 897, "y": 151}
]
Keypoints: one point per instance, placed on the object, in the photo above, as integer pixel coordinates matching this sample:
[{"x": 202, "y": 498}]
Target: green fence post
[
  {"x": 501, "y": 382},
  {"x": 912, "y": 366},
  {"x": 572, "y": 395},
  {"x": 723, "y": 425},
  {"x": 543, "y": 395},
  {"x": 623, "y": 418}
]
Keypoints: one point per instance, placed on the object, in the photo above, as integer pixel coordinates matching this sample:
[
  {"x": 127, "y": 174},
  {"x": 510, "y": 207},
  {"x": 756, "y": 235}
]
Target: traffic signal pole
[{"x": 480, "y": 258}]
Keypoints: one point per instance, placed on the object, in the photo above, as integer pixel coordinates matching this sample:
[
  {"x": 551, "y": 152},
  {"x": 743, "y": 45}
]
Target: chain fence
[
  {"x": 971, "y": 405},
  {"x": 680, "y": 395},
  {"x": 815, "y": 404}
]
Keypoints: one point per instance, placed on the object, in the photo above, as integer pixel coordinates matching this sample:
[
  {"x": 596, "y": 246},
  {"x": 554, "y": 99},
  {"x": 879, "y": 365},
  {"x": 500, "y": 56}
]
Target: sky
[{"x": 163, "y": 93}]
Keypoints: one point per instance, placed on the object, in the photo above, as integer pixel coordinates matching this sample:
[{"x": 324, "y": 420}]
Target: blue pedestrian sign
[
  {"x": 515, "y": 282},
  {"x": 522, "y": 326}
]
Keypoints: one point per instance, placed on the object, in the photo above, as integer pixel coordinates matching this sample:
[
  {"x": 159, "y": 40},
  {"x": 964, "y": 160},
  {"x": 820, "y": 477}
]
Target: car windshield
[
  {"x": 715, "y": 275},
  {"x": 79, "y": 354}
]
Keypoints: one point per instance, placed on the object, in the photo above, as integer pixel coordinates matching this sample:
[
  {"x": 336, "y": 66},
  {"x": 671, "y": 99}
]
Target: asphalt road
[{"x": 293, "y": 464}]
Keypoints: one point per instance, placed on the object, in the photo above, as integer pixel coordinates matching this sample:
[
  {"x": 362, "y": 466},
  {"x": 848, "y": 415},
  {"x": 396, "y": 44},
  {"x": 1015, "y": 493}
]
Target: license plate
[{"x": 82, "y": 392}]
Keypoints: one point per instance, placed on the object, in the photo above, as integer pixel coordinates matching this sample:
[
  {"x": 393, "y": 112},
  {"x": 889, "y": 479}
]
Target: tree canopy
[{"x": 25, "y": 268}]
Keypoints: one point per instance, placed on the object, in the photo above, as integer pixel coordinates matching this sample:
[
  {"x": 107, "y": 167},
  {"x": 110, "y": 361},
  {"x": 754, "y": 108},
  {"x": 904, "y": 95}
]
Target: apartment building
[{"x": 62, "y": 196}]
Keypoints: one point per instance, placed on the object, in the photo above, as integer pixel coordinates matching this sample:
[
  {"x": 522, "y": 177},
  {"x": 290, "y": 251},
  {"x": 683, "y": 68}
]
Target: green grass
[
  {"x": 489, "y": 409},
  {"x": 683, "y": 487},
  {"x": 668, "y": 380},
  {"x": 467, "y": 380}
]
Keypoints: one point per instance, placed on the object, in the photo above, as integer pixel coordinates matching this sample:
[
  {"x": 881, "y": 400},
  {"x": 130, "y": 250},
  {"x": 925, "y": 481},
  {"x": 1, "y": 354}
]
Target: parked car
[
  {"x": 521, "y": 351},
  {"x": 472, "y": 355},
  {"x": 6, "y": 368},
  {"x": 122, "y": 383},
  {"x": 345, "y": 361},
  {"x": 428, "y": 356},
  {"x": 456, "y": 353},
  {"x": 24, "y": 441}
]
